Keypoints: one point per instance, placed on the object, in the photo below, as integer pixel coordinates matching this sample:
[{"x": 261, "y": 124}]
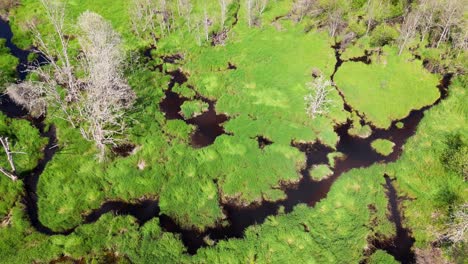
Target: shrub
[{"x": 382, "y": 35}]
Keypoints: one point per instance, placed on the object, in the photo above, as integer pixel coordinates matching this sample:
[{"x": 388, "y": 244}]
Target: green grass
[
  {"x": 23, "y": 138},
  {"x": 382, "y": 257},
  {"x": 7, "y": 65},
  {"x": 421, "y": 174},
  {"x": 320, "y": 172},
  {"x": 383, "y": 146},
  {"x": 388, "y": 89},
  {"x": 194, "y": 108}
]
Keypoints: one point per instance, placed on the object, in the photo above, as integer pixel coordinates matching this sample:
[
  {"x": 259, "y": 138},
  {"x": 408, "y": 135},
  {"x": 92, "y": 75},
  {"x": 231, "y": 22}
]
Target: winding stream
[{"x": 357, "y": 154}]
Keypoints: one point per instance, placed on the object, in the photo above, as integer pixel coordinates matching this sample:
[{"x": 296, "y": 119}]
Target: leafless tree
[
  {"x": 223, "y": 4},
  {"x": 30, "y": 95},
  {"x": 333, "y": 12},
  {"x": 255, "y": 9},
  {"x": 9, "y": 155},
  {"x": 58, "y": 72},
  {"x": 316, "y": 101},
  {"x": 460, "y": 38},
  {"x": 261, "y": 6},
  {"x": 334, "y": 20},
  {"x": 107, "y": 95},
  {"x": 302, "y": 8},
  {"x": 56, "y": 49},
  {"x": 428, "y": 10},
  {"x": 451, "y": 15},
  {"x": 143, "y": 14},
  {"x": 408, "y": 30},
  {"x": 373, "y": 6}
]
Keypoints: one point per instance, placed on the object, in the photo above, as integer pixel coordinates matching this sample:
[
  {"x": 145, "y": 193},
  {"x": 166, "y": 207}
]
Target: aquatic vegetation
[
  {"x": 193, "y": 108},
  {"x": 383, "y": 146},
  {"x": 320, "y": 171}
]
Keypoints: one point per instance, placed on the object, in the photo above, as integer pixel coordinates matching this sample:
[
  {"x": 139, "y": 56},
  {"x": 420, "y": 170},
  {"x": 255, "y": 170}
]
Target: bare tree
[
  {"x": 460, "y": 39},
  {"x": 59, "y": 71},
  {"x": 261, "y": 6},
  {"x": 55, "y": 50},
  {"x": 334, "y": 18},
  {"x": 143, "y": 14},
  {"x": 408, "y": 30},
  {"x": 206, "y": 24},
  {"x": 255, "y": 9},
  {"x": 30, "y": 95},
  {"x": 302, "y": 8},
  {"x": 428, "y": 10},
  {"x": 107, "y": 95},
  {"x": 316, "y": 101},
  {"x": 9, "y": 154},
  {"x": 373, "y": 6},
  {"x": 451, "y": 15}
]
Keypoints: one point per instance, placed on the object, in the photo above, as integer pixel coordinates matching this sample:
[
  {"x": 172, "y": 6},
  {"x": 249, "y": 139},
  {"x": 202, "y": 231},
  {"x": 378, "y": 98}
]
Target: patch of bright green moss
[
  {"x": 320, "y": 172},
  {"x": 383, "y": 146},
  {"x": 387, "y": 89},
  {"x": 193, "y": 108}
]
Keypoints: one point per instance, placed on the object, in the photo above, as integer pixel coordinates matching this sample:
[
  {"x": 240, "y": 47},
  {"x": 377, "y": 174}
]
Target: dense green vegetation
[
  {"x": 7, "y": 65},
  {"x": 258, "y": 78},
  {"x": 389, "y": 88},
  {"x": 383, "y": 146},
  {"x": 24, "y": 139},
  {"x": 319, "y": 172}
]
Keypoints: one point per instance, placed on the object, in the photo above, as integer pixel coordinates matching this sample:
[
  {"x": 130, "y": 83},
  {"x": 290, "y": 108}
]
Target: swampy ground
[{"x": 222, "y": 164}]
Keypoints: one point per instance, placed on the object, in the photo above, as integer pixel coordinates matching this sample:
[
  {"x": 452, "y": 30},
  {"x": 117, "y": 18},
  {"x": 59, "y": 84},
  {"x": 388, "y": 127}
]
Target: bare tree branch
[
  {"x": 317, "y": 102},
  {"x": 108, "y": 96},
  {"x": 8, "y": 152}
]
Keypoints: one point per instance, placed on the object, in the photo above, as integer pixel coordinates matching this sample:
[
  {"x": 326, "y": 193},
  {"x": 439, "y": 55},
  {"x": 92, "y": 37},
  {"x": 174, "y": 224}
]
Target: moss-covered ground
[
  {"x": 7, "y": 65},
  {"x": 389, "y": 88}
]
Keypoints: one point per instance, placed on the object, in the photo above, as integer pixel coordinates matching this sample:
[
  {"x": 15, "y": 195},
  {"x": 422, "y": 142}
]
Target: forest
[{"x": 233, "y": 131}]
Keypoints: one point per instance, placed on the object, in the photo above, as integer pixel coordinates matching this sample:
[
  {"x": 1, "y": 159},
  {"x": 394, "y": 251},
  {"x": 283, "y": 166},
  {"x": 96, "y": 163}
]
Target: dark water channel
[
  {"x": 357, "y": 154},
  {"x": 22, "y": 55},
  {"x": 208, "y": 124}
]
